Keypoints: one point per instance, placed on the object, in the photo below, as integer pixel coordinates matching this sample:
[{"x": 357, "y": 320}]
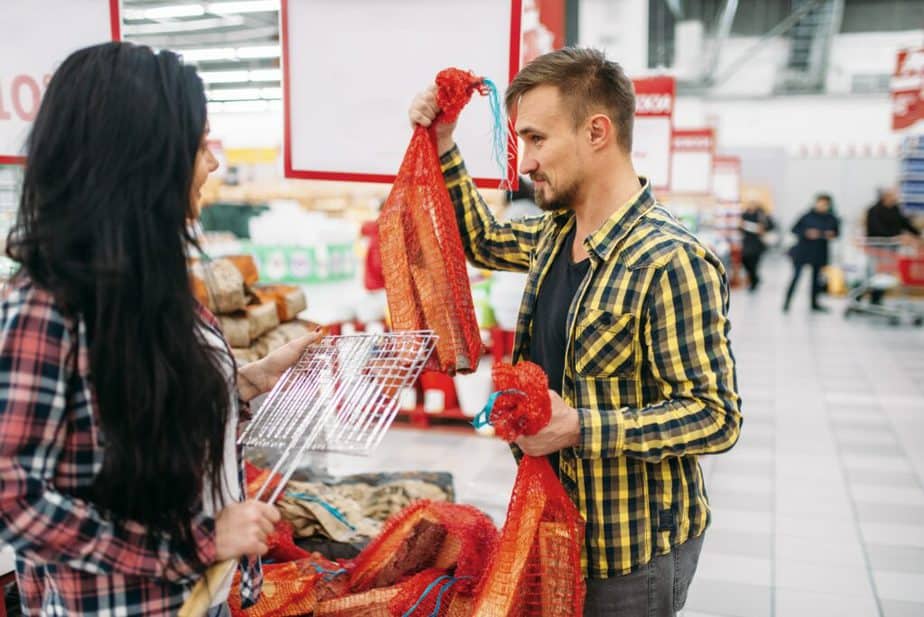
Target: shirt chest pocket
[{"x": 605, "y": 344}]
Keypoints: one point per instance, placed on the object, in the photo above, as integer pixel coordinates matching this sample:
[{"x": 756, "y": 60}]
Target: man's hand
[
  {"x": 830, "y": 235},
  {"x": 424, "y": 111},
  {"x": 812, "y": 234},
  {"x": 563, "y": 431}
]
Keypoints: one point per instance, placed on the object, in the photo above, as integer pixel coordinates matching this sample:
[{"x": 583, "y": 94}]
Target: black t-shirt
[{"x": 549, "y": 337}]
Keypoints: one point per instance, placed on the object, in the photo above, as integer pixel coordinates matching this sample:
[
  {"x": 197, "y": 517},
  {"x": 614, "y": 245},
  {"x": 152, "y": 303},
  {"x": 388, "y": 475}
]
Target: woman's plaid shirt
[
  {"x": 648, "y": 366},
  {"x": 71, "y": 557}
]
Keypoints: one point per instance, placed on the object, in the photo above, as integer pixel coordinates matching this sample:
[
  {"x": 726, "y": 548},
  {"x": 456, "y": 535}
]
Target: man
[
  {"x": 626, "y": 312},
  {"x": 814, "y": 230},
  {"x": 884, "y": 219}
]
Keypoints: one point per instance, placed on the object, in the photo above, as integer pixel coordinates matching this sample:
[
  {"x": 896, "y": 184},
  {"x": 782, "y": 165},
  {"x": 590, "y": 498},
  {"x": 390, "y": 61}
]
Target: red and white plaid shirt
[{"x": 71, "y": 557}]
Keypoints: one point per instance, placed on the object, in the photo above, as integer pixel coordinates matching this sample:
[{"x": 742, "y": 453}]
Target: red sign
[
  {"x": 654, "y": 96},
  {"x": 908, "y": 89},
  {"x": 651, "y": 138}
]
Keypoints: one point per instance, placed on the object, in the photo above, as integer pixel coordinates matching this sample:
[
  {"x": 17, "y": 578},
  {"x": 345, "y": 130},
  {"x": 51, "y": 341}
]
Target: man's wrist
[{"x": 444, "y": 145}]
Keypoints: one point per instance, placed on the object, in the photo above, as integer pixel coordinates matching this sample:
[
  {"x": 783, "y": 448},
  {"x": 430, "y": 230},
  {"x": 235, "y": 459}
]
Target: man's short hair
[{"x": 587, "y": 82}]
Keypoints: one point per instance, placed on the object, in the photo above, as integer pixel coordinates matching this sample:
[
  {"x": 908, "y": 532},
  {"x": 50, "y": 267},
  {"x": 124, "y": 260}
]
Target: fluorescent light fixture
[
  {"x": 204, "y": 55},
  {"x": 226, "y": 53},
  {"x": 243, "y": 106},
  {"x": 165, "y": 12},
  {"x": 234, "y": 94},
  {"x": 245, "y": 94},
  {"x": 224, "y": 77},
  {"x": 266, "y": 75},
  {"x": 228, "y": 77},
  {"x": 236, "y": 8},
  {"x": 263, "y": 51},
  {"x": 192, "y": 25}
]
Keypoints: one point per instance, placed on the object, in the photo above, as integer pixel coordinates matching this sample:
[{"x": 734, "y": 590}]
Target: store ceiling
[{"x": 234, "y": 45}]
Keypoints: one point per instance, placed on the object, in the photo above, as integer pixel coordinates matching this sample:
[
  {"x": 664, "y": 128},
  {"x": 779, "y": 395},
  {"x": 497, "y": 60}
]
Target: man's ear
[{"x": 600, "y": 131}]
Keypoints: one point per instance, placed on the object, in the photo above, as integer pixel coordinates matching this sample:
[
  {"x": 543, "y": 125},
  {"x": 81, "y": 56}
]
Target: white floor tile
[{"x": 900, "y": 586}]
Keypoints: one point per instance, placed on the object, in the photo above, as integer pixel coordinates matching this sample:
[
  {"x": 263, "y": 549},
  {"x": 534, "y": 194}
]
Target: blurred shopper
[
  {"x": 755, "y": 223},
  {"x": 814, "y": 230},
  {"x": 885, "y": 220}
]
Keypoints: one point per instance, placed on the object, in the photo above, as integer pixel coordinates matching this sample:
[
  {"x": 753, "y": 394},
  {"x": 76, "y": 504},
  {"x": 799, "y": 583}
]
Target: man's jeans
[{"x": 657, "y": 589}]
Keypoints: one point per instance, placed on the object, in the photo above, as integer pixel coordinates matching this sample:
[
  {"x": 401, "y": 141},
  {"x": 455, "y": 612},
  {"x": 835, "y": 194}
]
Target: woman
[
  {"x": 814, "y": 230},
  {"x": 755, "y": 224},
  {"x": 119, "y": 400}
]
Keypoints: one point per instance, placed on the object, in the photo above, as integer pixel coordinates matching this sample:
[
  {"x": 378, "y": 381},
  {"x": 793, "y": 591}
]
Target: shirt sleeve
[
  {"x": 488, "y": 243},
  {"x": 37, "y": 520},
  {"x": 687, "y": 349}
]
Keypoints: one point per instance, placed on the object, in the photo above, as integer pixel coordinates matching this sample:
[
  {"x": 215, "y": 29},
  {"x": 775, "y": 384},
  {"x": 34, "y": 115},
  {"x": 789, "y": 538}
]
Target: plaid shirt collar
[{"x": 601, "y": 243}]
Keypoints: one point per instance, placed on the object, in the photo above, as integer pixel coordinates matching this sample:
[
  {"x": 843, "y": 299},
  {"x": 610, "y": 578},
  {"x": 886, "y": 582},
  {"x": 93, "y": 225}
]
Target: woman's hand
[
  {"x": 259, "y": 377},
  {"x": 242, "y": 528}
]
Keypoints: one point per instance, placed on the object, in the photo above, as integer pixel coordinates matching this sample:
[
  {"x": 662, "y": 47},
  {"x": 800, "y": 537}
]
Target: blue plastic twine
[
  {"x": 425, "y": 593},
  {"x": 450, "y": 581},
  {"x": 499, "y": 140},
  {"x": 337, "y": 514},
  {"x": 484, "y": 416},
  {"x": 328, "y": 574}
]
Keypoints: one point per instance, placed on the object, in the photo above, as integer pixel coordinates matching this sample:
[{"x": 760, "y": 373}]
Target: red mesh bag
[
  {"x": 427, "y": 594},
  {"x": 422, "y": 257},
  {"x": 427, "y": 535},
  {"x": 292, "y": 588},
  {"x": 255, "y": 477},
  {"x": 282, "y": 543},
  {"x": 522, "y": 405},
  {"x": 372, "y": 603},
  {"x": 536, "y": 567}
]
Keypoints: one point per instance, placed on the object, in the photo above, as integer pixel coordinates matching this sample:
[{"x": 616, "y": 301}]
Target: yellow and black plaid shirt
[{"x": 648, "y": 366}]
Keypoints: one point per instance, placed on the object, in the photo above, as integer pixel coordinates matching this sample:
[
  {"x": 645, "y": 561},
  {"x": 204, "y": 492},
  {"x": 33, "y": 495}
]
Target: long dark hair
[{"x": 102, "y": 226}]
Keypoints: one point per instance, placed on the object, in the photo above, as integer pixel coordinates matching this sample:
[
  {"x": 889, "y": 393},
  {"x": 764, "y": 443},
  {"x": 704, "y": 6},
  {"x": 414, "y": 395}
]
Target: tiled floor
[{"x": 819, "y": 509}]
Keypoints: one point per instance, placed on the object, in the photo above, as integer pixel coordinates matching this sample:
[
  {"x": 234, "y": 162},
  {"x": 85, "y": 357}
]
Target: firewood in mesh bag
[{"x": 423, "y": 261}]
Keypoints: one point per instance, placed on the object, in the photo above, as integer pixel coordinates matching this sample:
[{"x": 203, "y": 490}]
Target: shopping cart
[{"x": 894, "y": 266}]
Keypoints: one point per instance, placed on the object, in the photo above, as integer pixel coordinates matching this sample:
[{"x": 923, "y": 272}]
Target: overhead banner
[
  {"x": 908, "y": 89},
  {"x": 651, "y": 137},
  {"x": 692, "y": 157},
  {"x": 726, "y": 179},
  {"x": 35, "y": 37},
  {"x": 349, "y": 76}
]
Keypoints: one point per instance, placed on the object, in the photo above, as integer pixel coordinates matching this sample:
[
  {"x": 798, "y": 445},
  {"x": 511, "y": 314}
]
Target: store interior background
[{"x": 819, "y": 510}]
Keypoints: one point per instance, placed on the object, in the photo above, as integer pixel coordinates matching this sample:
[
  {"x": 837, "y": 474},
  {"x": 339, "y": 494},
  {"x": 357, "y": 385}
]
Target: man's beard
[{"x": 562, "y": 200}]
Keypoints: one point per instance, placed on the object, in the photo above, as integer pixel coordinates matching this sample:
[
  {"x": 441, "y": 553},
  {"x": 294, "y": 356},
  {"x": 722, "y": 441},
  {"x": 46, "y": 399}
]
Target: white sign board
[
  {"x": 651, "y": 137},
  {"x": 352, "y": 67},
  {"x": 692, "y": 160},
  {"x": 726, "y": 179},
  {"x": 35, "y": 37}
]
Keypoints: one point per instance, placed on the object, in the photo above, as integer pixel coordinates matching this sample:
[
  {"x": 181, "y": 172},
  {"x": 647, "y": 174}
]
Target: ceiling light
[
  {"x": 209, "y": 54},
  {"x": 236, "y": 94},
  {"x": 207, "y": 23},
  {"x": 165, "y": 12},
  {"x": 254, "y": 6},
  {"x": 224, "y": 77},
  {"x": 265, "y": 75},
  {"x": 266, "y": 51},
  {"x": 244, "y": 94},
  {"x": 204, "y": 55}
]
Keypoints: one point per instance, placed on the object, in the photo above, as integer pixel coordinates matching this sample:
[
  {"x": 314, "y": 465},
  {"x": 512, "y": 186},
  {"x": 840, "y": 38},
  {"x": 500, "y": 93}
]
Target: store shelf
[{"x": 422, "y": 419}]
